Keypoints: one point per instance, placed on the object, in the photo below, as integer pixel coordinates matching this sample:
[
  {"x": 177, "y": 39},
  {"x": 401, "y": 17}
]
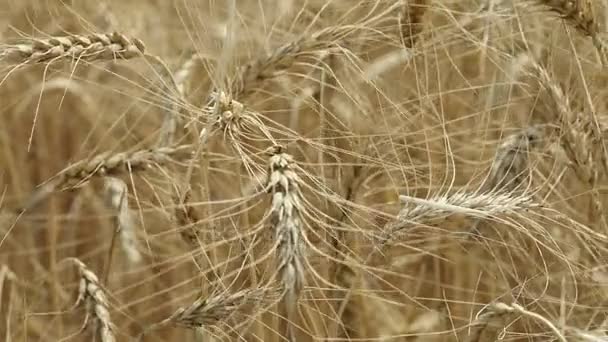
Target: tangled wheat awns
[{"x": 229, "y": 179}]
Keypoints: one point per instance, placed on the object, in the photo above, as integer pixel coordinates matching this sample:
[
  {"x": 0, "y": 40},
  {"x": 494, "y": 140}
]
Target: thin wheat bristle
[
  {"x": 117, "y": 197},
  {"x": 91, "y": 294},
  {"x": 108, "y": 46}
]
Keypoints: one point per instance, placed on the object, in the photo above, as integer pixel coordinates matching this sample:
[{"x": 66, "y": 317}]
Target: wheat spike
[
  {"x": 212, "y": 311},
  {"x": 475, "y": 205},
  {"x": 101, "y": 46},
  {"x": 95, "y": 300},
  {"x": 283, "y": 184}
]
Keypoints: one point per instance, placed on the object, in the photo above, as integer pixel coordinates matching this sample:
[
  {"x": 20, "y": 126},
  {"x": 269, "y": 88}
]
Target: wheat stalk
[{"x": 100, "y": 46}]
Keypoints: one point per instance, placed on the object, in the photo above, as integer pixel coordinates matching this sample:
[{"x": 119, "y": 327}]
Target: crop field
[{"x": 303, "y": 170}]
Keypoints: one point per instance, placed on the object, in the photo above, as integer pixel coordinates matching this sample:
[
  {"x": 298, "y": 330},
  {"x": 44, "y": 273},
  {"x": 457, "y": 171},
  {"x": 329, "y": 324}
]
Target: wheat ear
[
  {"x": 95, "y": 300},
  {"x": 581, "y": 139},
  {"x": 213, "y": 311},
  {"x": 107, "y": 164},
  {"x": 287, "y": 55},
  {"x": 100, "y": 46},
  {"x": 283, "y": 184},
  {"x": 111, "y": 163}
]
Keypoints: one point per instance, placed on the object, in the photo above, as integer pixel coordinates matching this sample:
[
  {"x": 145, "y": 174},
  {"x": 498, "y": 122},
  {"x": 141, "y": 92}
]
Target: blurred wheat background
[{"x": 303, "y": 170}]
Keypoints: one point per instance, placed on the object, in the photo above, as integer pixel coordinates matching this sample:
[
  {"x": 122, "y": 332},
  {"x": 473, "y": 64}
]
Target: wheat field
[{"x": 303, "y": 170}]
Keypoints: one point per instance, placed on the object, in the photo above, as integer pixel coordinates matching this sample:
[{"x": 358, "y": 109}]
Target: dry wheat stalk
[
  {"x": 579, "y": 13},
  {"x": 511, "y": 160},
  {"x": 117, "y": 197},
  {"x": 100, "y": 46},
  {"x": 95, "y": 300},
  {"x": 410, "y": 20},
  {"x": 283, "y": 184}
]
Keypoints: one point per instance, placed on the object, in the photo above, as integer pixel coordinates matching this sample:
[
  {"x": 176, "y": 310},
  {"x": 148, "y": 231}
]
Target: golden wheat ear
[{"x": 94, "y": 47}]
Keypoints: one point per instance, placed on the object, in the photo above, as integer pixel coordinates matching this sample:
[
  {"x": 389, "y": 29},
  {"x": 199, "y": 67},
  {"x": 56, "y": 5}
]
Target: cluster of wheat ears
[{"x": 304, "y": 170}]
